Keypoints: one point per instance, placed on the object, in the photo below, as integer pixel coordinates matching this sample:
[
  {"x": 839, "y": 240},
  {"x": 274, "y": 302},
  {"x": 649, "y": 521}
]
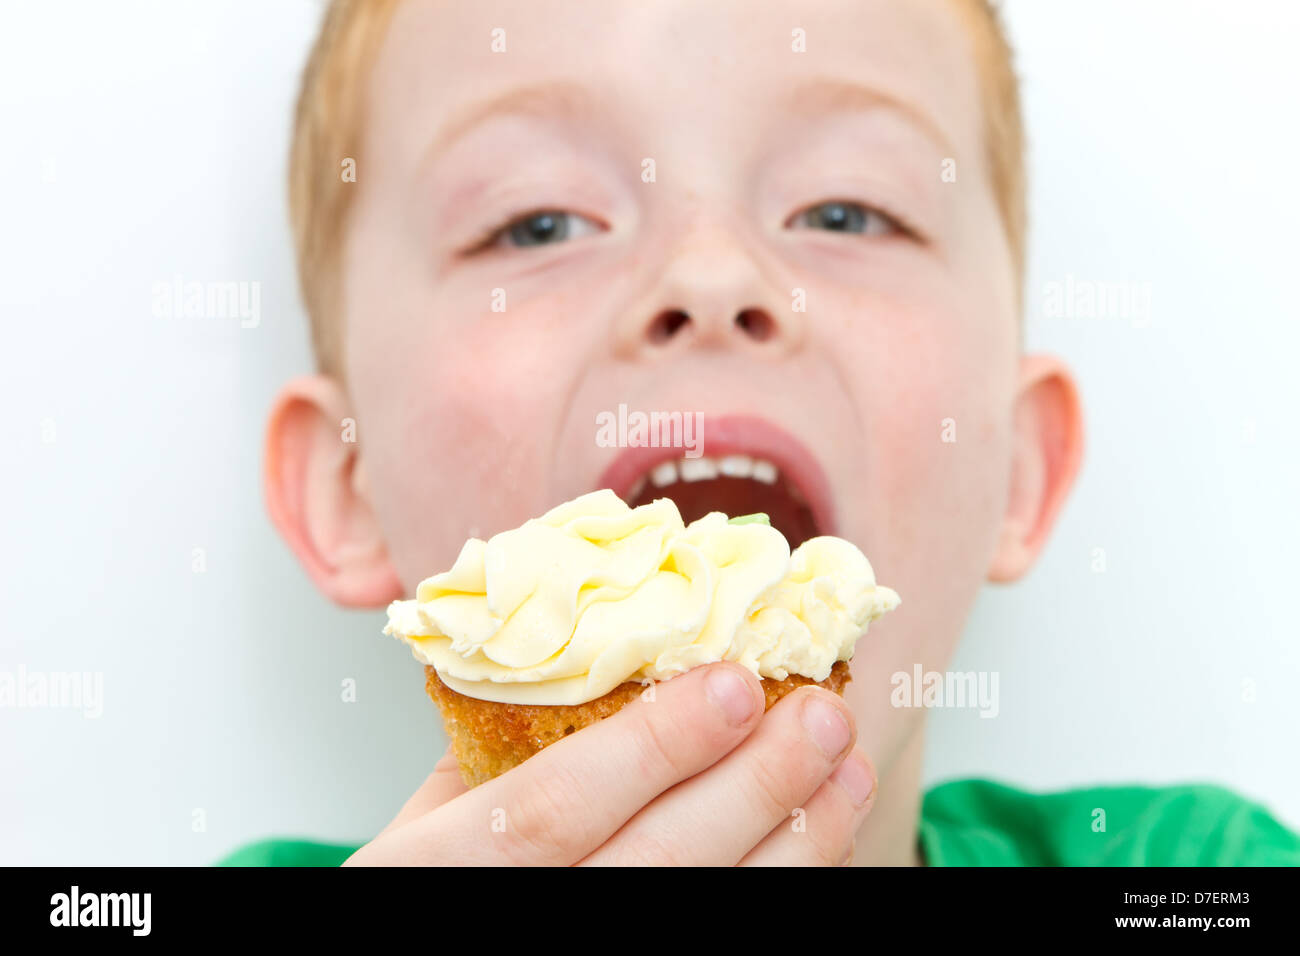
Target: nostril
[
  {"x": 666, "y": 324},
  {"x": 757, "y": 324}
]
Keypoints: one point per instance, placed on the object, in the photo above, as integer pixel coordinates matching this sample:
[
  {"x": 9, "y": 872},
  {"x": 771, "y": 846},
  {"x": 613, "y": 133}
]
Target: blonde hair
[
  {"x": 1004, "y": 128},
  {"x": 327, "y": 130},
  {"x": 329, "y": 121}
]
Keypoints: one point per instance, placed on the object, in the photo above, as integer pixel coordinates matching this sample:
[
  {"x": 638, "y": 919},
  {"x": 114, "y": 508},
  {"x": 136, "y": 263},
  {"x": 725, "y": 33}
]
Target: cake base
[{"x": 489, "y": 738}]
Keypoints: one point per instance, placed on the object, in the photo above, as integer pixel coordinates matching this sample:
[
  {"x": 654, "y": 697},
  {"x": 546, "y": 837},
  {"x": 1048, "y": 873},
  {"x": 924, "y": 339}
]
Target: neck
[{"x": 889, "y": 836}]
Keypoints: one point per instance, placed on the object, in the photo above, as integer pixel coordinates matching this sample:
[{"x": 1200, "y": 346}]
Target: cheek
[
  {"x": 933, "y": 392},
  {"x": 462, "y": 421},
  {"x": 948, "y": 423},
  {"x": 932, "y": 387},
  {"x": 942, "y": 466}
]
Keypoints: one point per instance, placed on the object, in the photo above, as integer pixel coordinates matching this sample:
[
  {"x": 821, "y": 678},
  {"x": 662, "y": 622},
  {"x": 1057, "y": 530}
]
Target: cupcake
[{"x": 552, "y": 626}]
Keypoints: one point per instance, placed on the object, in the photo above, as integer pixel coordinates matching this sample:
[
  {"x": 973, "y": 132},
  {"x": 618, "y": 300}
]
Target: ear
[
  {"x": 1047, "y": 434},
  {"x": 316, "y": 493}
]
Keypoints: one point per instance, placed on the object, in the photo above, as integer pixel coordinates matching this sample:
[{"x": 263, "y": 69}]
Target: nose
[{"x": 711, "y": 293}]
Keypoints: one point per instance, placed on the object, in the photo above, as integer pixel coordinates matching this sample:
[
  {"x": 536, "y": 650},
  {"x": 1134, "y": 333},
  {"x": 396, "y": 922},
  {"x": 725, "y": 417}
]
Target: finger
[
  {"x": 561, "y": 804},
  {"x": 443, "y": 784},
  {"x": 822, "y": 834},
  {"x": 717, "y": 817}
]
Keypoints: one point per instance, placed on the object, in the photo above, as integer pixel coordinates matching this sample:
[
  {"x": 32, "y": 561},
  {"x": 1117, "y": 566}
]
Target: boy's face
[{"x": 679, "y": 294}]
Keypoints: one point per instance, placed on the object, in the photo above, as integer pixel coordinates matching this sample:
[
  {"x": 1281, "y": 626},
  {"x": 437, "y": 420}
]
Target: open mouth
[
  {"x": 751, "y": 467},
  {"x": 736, "y": 485}
]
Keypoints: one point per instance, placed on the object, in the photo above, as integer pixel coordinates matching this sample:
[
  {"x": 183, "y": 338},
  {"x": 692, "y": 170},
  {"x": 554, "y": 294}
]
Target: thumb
[{"x": 442, "y": 785}]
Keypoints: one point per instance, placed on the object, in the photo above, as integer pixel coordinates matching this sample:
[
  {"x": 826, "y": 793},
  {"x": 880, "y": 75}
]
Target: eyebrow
[
  {"x": 566, "y": 98},
  {"x": 839, "y": 96},
  {"x": 547, "y": 99}
]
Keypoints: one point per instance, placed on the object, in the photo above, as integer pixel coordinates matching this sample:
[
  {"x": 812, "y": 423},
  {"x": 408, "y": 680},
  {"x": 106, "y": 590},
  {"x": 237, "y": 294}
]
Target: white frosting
[{"x": 594, "y": 593}]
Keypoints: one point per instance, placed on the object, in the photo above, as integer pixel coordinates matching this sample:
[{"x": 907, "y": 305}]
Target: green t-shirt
[{"x": 982, "y": 823}]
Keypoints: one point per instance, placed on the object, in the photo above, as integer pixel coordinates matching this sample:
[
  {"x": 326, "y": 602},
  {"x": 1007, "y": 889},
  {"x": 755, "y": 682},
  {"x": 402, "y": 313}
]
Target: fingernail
[
  {"x": 855, "y": 779},
  {"x": 826, "y": 725},
  {"x": 730, "y": 694}
]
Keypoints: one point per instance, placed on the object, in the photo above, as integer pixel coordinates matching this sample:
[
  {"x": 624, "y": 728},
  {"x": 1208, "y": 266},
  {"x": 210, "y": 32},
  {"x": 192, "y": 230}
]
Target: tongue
[{"x": 739, "y": 496}]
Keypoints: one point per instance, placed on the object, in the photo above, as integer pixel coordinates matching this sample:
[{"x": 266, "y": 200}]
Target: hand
[{"x": 698, "y": 776}]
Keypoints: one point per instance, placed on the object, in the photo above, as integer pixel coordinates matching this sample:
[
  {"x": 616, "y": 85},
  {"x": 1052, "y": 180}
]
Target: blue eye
[
  {"x": 850, "y": 217},
  {"x": 543, "y": 228}
]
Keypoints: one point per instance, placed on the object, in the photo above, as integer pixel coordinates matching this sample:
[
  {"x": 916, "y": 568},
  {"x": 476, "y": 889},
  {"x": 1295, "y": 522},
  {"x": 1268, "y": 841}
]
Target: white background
[{"x": 142, "y": 141}]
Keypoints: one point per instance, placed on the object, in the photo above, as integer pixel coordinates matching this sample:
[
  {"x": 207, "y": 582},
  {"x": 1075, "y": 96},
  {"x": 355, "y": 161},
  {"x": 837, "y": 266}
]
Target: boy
[{"x": 804, "y": 223}]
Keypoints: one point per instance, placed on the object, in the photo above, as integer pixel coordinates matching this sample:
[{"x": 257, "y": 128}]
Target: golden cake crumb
[{"x": 489, "y": 738}]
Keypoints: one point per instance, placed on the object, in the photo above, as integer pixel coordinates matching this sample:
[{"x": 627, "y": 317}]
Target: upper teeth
[
  {"x": 664, "y": 474},
  {"x": 699, "y": 469},
  {"x": 737, "y": 466}
]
